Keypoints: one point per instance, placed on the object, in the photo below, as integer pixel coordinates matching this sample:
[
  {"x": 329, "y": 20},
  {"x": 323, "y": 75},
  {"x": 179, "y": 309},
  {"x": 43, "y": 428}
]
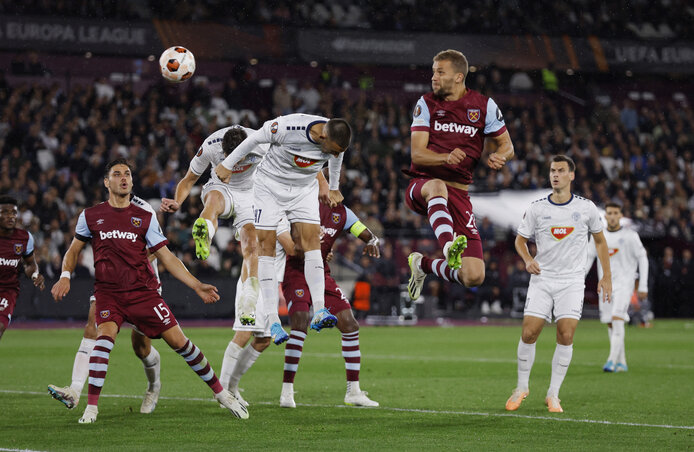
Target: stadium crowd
[
  {"x": 56, "y": 142},
  {"x": 623, "y": 19}
]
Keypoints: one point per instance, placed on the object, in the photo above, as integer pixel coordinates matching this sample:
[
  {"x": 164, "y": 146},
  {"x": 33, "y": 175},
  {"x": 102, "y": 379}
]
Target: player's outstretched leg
[
  {"x": 246, "y": 358},
  {"x": 417, "y": 275},
  {"x": 323, "y": 319},
  {"x": 198, "y": 363},
  {"x": 201, "y": 236},
  {"x": 65, "y": 395},
  {"x": 453, "y": 251}
]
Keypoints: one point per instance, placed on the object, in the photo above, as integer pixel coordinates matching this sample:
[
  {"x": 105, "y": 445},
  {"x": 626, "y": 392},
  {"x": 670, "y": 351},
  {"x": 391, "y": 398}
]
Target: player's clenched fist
[
  {"x": 169, "y": 205},
  {"x": 496, "y": 161},
  {"x": 222, "y": 173},
  {"x": 60, "y": 289},
  {"x": 455, "y": 157}
]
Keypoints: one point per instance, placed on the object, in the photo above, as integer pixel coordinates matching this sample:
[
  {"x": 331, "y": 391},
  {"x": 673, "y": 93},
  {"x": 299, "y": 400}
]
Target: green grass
[{"x": 439, "y": 388}]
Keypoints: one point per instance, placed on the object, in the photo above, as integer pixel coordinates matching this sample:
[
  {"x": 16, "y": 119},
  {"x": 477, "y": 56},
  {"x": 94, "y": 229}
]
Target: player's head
[
  {"x": 562, "y": 171},
  {"x": 232, "y": 138},
  {"x": 450, "y": 70},
  {"x": 8, "y": 212},
  {"x": 119, "y": 177},
  {"x": 613, "y": 213},
  {"x": 336, "y": 135}
]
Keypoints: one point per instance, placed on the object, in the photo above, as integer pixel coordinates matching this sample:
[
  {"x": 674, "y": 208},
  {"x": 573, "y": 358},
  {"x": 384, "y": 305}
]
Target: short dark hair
[
  {"x": 339, "y": 131},
  {"x": 614, "y": 205},
  {"x": 456, "y": 58},
  {"x": 567, "y": 159},
  {"x": 118, "y": 161},
  {"x": 232, "y": 138},
  {"x": 4, "y": 199}
]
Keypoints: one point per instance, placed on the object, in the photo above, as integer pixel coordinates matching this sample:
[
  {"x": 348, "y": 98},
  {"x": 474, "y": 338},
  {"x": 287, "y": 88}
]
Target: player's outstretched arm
[
  {"x": 531, "y": 265},
  {"x": 605, "y": 284},
  {"x": 62, "y": 287},
  {"x": 500, "y": 150},
  {"x": 182, "y": 191},
  {"x": 421, "y": 155},
  {"x": 207, "y": 292}
]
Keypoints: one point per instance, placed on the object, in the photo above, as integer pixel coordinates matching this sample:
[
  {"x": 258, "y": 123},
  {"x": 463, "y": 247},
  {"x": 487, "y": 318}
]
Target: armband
[
  {"x": 65, "y": 274},
  {"x": 357, "y": 228}
]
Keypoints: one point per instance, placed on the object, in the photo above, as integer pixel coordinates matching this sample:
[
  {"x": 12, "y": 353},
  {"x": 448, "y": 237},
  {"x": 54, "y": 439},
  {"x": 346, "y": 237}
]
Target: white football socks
[
  {"x": 526, "y": 358},
  {"x": 152, "y": 367},
  {"x": 247, "y": 357},
  {"x": 80, "y": 369},
  {"x": 210, "y": 229},
  {"x": 268, "y": 287},
  {"x": 560, "y": 365},
  {"x": 314, "y": 273},
  {"x": 616, "y": 340},
  {"x": 231, "y": 355}
]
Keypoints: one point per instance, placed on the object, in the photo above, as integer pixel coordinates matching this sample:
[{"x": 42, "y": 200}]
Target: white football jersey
[
  {"x": 627, "y": 255},
  {"x": 293, "y": 157},
  {"x": 561, "y": 234},
  {"x": 211, "y": 153}
]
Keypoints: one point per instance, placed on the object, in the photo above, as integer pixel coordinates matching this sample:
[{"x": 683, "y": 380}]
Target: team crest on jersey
[
  {"x": 18, "y": 248},
  {"x": 576, "y": 216},
  {"x": 299, "y": 292},
  {"x": 137, "y": 222},
  {"x": 274, "y": 127},
  {"x": 473, "y": 114},
  {"x": 417, "y": 111},
  {"x": 612, "y": 251},
  {"x": 303, "y": 162},
  {"x": 199, "y": 152},
  {"x": 105, "y": 314},
  {"x": 336, "y": 218},
  {"x": 561, "y": 232}
]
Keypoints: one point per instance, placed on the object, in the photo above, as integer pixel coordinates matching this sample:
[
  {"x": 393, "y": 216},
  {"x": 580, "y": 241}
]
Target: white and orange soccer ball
[{"x": 177, "y": 64}]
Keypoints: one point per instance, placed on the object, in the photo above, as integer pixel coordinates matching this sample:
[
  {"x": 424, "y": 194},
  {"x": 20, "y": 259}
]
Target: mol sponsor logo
[
  {"x": 303, "y": 162},
  {"x": 453, "y": 127},
  {"x": 240, "y": 168},
  {"x": 612, "y": 251},
  {"x": 116, "y": 234},
  {"x": 561, "y": 232}
]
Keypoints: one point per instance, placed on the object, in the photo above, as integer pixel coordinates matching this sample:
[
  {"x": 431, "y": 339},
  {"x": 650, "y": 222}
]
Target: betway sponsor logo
[
  {"x": 8, "y": 262},
  {"x": 455, "y": 128},
  {"x": 118, "y": 235},
  {"x": 329, "y": 231},
  {"x": 303, "y": 162}
]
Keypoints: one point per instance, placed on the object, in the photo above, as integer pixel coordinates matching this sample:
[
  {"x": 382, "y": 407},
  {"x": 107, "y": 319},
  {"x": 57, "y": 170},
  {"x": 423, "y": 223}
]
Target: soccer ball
[{"x": 177, "y": 64}]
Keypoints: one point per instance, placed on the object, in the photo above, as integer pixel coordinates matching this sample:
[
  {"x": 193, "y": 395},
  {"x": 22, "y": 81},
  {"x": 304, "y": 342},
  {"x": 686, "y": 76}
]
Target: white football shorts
[
  {"x": 273, "y": 200},
  {"x": 618, "y": 306},
  {"x": 561, "y": 298},
  {"x": 237, "y": 203}
]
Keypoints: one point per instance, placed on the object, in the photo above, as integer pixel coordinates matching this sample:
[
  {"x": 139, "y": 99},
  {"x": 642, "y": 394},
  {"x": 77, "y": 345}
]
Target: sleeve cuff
[
  {"x": 82, "y": 238},
  {"x": 497, "y": 133},
  {"x": 158, "y": 246}
]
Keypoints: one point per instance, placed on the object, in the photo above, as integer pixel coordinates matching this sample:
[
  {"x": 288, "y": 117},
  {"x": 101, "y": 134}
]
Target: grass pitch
[{"x": 439, "y": 388}]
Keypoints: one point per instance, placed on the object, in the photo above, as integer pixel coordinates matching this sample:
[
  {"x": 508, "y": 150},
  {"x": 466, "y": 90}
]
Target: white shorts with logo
[
  {"x": 272, "y": 200},
  {"x": 618, "y": 306},
  {"x": 561, "y": 298},
  {"x": 237, "y": 203}
]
